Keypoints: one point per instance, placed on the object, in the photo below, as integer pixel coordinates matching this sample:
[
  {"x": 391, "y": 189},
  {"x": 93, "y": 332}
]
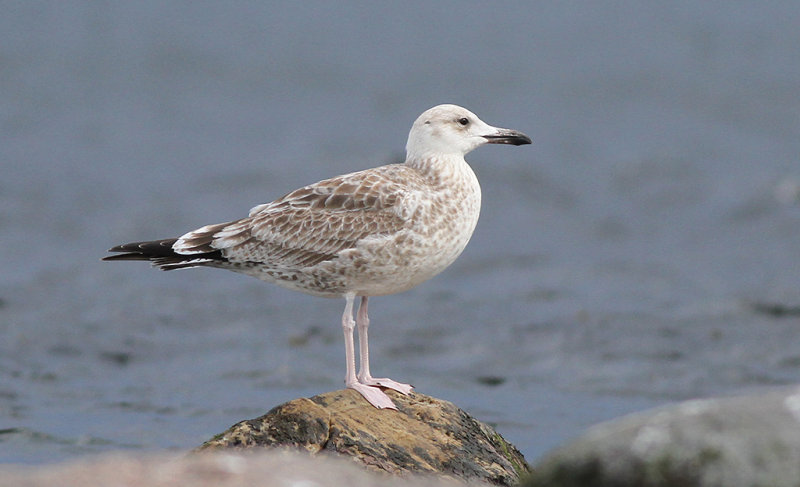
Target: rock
[
  {"x": 737, "y": 441},
  {"x": 262, "y": 469},
  {"x": 424, "y": 436}
]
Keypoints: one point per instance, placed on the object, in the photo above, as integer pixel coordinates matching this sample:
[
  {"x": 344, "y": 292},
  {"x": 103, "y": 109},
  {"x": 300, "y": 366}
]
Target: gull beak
[{"x": 507, "y": 136}]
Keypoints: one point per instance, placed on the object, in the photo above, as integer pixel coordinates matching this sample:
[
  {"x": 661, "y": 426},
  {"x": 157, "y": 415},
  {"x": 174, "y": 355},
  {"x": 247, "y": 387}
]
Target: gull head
[{"x": 453, "y": 130}]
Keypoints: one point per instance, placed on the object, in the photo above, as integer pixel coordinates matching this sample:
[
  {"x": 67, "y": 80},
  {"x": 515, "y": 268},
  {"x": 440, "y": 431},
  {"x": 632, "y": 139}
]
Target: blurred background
[{"x": 643, "y": 250}]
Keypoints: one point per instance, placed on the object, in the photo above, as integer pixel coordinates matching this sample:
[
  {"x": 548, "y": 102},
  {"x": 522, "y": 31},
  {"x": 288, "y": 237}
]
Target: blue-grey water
[{"x": 645, "y": 249}]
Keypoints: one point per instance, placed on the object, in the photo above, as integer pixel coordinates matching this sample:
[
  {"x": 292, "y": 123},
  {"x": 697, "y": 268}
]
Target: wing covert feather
[{"x": 314, "y": 223}]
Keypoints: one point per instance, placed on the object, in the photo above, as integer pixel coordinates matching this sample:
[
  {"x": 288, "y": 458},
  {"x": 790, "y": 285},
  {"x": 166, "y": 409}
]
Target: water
[{"x": 618, "y": 264}]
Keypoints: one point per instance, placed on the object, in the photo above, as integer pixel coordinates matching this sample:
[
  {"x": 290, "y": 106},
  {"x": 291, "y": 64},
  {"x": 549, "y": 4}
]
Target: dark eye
[{"x": 463, "y": 121}]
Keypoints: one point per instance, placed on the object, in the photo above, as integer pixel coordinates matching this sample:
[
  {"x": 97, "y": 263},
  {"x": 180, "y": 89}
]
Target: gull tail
[{"x": 163, "y": 256}]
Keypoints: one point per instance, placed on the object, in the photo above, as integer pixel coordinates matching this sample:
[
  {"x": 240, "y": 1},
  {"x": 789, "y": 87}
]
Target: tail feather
[{"x": 162, "y": 255}]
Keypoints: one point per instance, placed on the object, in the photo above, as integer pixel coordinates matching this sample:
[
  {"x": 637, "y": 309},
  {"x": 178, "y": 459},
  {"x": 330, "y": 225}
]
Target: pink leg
[
  {"x": 375, "y": 396},
  {"x": 364, "y": 376}
]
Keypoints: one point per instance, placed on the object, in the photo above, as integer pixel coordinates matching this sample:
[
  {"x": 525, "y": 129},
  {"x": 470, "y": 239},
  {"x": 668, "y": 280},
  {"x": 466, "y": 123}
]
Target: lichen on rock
[{"x": 424, "y": 436}]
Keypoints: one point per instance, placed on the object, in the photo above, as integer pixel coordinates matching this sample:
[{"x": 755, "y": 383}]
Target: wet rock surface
[{"x": 424, "y": 436}]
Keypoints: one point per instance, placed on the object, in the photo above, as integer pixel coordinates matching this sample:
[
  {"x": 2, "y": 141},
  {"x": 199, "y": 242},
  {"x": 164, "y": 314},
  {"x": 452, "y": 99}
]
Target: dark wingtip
[
  {"x": 153, "y": 248},
  {"x": 161, "y": 254},
  {"x": 142, "y": 250},
  {"x": 128, "y": 256}
]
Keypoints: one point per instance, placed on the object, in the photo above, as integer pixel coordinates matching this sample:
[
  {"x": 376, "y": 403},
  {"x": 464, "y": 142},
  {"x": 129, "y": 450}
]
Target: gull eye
[{"x": 463, "y": 121}]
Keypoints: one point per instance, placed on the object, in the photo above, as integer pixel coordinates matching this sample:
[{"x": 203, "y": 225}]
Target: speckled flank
[{"x": 372, "y": 232}]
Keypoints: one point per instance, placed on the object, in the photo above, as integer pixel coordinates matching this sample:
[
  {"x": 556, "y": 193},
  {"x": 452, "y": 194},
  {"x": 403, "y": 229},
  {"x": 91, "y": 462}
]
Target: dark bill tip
[{"x": 505, "y": 136}]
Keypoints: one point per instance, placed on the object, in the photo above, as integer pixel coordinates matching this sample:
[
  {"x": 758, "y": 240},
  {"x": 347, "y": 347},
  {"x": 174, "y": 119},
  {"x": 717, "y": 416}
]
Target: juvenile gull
[{"x": 368, "y": 233}]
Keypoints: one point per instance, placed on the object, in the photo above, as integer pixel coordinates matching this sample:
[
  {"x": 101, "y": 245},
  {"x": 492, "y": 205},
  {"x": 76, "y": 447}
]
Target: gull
[{"x": 369, "y": 233}]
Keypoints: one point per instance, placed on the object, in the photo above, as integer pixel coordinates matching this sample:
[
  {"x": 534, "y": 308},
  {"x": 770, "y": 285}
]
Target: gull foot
[
  {"x": 387, "y": 383},
  {"x": 373, "y": 395}
]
